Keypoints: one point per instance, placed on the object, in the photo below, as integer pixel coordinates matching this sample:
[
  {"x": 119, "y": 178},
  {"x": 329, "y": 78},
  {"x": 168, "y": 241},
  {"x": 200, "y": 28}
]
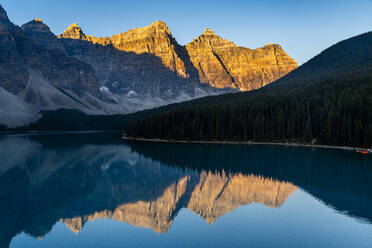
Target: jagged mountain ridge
[
  {"x": 136, "y": 70},
  {"x": 221, "y": 63},
  {"x": 34, "y": 78},
  {"x": 139, "y": 63},
  {"x": 37, "y": 74},
  {"x": 209, "y": 59}
]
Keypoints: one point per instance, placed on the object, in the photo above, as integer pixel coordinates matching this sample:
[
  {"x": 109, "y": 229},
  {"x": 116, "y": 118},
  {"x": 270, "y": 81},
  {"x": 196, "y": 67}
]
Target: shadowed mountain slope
[{"x": 34, "y": 78}]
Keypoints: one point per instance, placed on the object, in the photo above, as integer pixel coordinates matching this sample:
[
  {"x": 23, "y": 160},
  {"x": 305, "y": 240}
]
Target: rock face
[
  {"x": 143, "y": 62},
  {"x": 155, "y": 39},
  {"x": 37, "y": 78},
  {"x": 221, "y": 63},
  {"x": 208, "y": 59},
  {"x": 40, "y": 33}
]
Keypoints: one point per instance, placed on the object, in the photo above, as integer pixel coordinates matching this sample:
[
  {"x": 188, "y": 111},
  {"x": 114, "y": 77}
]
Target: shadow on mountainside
[{"x": 132, "y": 74}]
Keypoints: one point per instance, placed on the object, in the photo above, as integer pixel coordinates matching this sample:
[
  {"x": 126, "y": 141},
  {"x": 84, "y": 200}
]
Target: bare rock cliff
[
  {"x": 221, "y": 63},
  {"x": 40, "y": 33},
  {"x": 142, "y": 62},
  {"x": 36, "y": 74},
  {"x": 209, "y": 59}
]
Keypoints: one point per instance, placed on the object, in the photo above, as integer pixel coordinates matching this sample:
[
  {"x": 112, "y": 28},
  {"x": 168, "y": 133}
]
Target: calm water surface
[{"x": 95, "y": 190}]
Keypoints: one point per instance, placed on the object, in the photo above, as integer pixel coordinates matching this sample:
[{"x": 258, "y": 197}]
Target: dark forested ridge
[{"x": 324, "y": 101}]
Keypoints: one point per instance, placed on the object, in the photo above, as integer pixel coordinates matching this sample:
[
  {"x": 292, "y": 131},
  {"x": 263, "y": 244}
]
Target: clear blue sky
[{"x": 302, "y": 27}]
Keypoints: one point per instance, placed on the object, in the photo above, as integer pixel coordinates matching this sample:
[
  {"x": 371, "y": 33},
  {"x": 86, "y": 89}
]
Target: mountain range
[{"x": 135, "y": 70}]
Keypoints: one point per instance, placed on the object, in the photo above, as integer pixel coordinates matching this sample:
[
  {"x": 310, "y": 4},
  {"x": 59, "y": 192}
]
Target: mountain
[
  {"x": 209, "y": 59},
  {"x": 348, "y": 58},
  {"x": 139, "y": 69},
  {"x": 328, "y": 100},
  {"x": 33, "y": 78},
  {"x": 221, "y": 63},
  {"x": 144, "y": 64},
  {"x": 40, "y": 33}
]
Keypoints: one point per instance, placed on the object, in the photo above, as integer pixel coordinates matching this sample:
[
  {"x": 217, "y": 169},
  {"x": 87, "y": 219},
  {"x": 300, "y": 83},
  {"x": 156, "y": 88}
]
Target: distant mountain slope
[
  {"x": 347, "y": 58},
  {"x": 327, "y": 100},
  {"x": 34, "y": 78}
]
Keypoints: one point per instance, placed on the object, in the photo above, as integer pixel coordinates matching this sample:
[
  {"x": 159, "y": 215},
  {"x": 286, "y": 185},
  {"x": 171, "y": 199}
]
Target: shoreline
[{"x": 345, "y": 148}]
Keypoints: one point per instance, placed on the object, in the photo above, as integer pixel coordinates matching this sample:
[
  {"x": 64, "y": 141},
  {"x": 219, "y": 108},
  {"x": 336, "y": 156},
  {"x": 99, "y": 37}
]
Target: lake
[{"x": 96, "y": 190}]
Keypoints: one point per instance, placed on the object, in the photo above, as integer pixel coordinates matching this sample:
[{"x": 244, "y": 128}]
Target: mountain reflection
[
  {"x": 210, "y": 195},
  {"x": 76, "y": 179}
]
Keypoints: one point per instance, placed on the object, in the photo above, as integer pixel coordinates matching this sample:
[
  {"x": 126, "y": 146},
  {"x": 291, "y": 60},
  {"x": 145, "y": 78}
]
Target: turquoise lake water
[{"x": 96, "y": 190}]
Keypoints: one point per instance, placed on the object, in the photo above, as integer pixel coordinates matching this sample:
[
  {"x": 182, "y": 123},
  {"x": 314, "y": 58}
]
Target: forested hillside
[{"x": 324, "y": 101}]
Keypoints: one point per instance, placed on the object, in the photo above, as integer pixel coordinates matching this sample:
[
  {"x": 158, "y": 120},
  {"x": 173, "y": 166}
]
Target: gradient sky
[{"x": 302, "y": 27}]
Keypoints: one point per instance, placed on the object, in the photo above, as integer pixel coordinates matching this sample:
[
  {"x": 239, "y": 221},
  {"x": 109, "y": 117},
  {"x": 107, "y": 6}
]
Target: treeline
[
  {"x": 333, "y": 112},
  {"x": 74, "y": 120},
  {"x": 3, "y": 128}
]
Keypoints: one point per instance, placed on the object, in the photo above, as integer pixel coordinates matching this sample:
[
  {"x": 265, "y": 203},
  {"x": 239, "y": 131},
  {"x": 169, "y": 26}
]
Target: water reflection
[{"x": 75, "y": 179}]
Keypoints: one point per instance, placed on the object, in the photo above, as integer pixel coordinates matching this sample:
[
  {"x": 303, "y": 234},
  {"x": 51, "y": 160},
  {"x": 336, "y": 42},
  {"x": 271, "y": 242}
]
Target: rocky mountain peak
[
  {"x": 160, "y": 26},
  {"x": 36, "y": 25},
  {"x": 155, "y": 29},
  {"x": 208, "y": 32},
  {"x": 3, "y": 14},
  {"x": 73, "y": 26},
  {"x": 272, "y": 45},
  {"x": 40, "y": 33},
  {"x": 223, "y": 64},
  {"x": 209, "y": 39},
  {"x": 4, "y": 17},
  {"x": 73, "y": 32}
]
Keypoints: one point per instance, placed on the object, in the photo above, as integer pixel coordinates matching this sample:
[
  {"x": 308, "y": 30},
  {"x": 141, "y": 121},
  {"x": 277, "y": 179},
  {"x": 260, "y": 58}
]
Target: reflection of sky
[
  {"x": 304, "y": 28},
  {"x": 302, "y": 221}
]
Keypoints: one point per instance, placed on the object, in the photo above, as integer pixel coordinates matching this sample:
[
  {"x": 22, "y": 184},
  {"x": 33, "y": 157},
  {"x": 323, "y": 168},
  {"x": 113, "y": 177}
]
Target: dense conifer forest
[{"x": 334, "y": 112}]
